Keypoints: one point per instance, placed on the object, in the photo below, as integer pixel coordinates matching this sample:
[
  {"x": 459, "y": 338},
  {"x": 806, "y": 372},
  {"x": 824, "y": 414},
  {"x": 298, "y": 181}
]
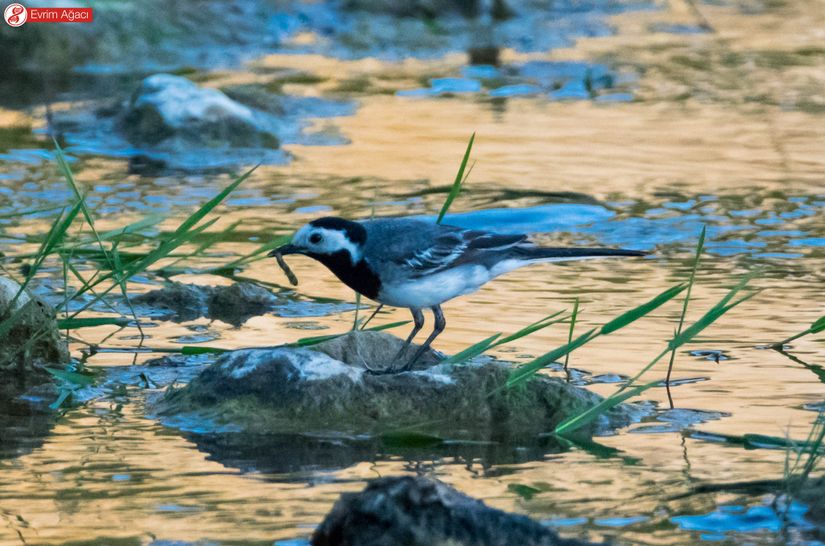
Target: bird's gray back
[
  {"x": 399, "y": 248},
  {"x": 393, "y": 239}
]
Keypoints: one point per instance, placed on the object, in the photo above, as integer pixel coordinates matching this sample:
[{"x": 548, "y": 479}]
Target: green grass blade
[
  {"x": 55, "y": 235},
  {"x": 635, "y": 314},
  {"x": 201, "y": 350},
  {"x": 577, "y": 421},
  {"x": 72, "y": 377},
  {"x": 818, "y": 325},
  {"x": 75, "y": 323},
  {"x": 711, "y": 316},
  {"x": 459, "y": 178},
  {"x": 528, "y": 370},
  {"x": 472, "y": 351},
  {"x": 572, "y": 328},
  {"x": 205, "y": 209},
  {"x": 531, "y": 328},
  {"x": 699, "y": 247}
]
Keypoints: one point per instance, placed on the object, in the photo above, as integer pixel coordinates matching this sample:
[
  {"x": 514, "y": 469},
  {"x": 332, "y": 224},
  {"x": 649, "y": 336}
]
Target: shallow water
[{"x": 723, "y": 130}]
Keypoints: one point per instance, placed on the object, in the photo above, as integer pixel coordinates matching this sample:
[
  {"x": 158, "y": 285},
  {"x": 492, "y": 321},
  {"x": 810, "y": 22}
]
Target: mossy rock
[
  {"x": 326, "y": 389},
  {"x": 31, "y": 342},
  {"x": 233, "y": 304}
]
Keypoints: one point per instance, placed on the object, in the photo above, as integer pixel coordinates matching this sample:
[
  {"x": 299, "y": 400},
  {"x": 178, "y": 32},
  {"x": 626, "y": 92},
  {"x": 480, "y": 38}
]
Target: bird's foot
[{"x": 391, "y": 369}]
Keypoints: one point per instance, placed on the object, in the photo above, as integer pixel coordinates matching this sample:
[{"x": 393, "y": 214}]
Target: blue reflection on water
[{"x": 742, "y": 519}]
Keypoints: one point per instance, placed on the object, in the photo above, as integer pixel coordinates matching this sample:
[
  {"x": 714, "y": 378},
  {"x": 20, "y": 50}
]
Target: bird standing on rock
[{"x": 413, "y": 263}]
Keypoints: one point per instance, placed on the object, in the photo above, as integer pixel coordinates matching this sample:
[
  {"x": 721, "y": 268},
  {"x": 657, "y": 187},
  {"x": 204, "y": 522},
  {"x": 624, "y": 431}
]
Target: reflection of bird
[{"x": 405, "y": 262}]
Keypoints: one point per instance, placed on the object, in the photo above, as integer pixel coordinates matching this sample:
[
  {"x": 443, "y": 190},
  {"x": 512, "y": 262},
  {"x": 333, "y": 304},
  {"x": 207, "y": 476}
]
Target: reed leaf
[
  {"x": 72, "y": 377},
  {"x": 635, "y": 314},
  {"x": 459, "y": 178},
  {"x": 711, "y": 316},
  {"x": 472, "y": 351},
  {"x": 75, "y": 323},
  {"x": 577, "y": 421},
  {"x": 523, "y": 373},
  {"x": 531, "y": 328}
]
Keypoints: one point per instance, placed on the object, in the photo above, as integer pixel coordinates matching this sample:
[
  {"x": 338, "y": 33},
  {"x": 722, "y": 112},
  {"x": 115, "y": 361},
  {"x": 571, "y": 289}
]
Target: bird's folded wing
[{"x": 455, "y": 248}]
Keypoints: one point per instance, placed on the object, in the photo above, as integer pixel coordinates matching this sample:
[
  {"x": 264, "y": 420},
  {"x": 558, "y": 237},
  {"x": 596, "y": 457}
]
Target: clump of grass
[
  {"x": 630, "y": 388},
  {"x": 114, "y": 266},
  {"x": 527, "y": 371}
]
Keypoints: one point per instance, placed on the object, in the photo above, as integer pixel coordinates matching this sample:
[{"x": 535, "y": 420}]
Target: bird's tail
[{"x": 550, "y": 254}]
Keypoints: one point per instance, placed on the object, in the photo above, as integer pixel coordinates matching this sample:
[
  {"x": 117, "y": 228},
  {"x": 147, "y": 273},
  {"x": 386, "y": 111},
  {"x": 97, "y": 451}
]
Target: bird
[{"x": 419, "y": 264}]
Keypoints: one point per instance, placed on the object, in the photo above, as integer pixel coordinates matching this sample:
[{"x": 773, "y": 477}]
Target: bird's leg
[
  {"x": 440, "y": 324},
  {"x": 418, "y": 320},
  {"x": 372, "y": 316}
]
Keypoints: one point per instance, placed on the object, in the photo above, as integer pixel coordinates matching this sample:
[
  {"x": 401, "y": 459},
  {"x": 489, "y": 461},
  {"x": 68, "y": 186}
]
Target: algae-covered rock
[
  {"x": 173, "y": 112},
  {"x": 326, "y": 388},
  {"x": 419, "y": 511},
  {"x": 233, "y": 304},
  {"x": 812, "y": 493},
  {"x": 29, "y": 338}
]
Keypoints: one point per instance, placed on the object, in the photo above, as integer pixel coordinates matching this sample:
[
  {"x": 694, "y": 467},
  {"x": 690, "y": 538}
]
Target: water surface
[{"x": 720, "y": 129}]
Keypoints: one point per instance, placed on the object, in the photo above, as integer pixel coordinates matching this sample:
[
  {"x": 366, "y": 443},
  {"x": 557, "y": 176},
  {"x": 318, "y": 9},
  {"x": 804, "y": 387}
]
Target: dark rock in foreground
[
  {"x": 233, "y": 304},
  {"x": 326, "y": 389},
  {"x": 422, "y": 511},
  {"x": 32, "y": 341}
]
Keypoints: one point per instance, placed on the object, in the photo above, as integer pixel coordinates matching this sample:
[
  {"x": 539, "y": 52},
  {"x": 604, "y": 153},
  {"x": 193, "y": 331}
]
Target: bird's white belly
[{"x": 435, "y": 289}]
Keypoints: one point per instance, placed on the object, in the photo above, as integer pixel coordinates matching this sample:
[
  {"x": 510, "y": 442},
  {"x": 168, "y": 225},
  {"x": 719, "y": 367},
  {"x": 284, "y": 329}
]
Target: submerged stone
[
  {"x": 31, "y": 342},
  {"x": 233, "y": 304},
  {"x": 812, "y": 493},
  {"x": 327, "y": 389},
  {"x": 173, "y": 112},
  {"x": 423, "y": 511}
]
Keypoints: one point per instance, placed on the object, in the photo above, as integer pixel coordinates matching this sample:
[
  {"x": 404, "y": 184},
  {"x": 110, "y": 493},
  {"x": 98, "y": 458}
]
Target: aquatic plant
[
  {"x": 816, "y": 327},
  {"x": 460, "y": 178},
  {"x": 699, "y": 247},
  {"x": 114, "y": 267}
]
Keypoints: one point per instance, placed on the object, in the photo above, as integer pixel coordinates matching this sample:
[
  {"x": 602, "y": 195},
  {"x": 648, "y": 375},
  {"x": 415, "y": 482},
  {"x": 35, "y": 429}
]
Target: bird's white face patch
[{"x": 326, "y": 241}]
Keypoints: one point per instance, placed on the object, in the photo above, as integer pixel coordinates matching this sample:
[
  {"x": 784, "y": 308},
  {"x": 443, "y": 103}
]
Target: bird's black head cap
[{"x": 355, "y": 232}]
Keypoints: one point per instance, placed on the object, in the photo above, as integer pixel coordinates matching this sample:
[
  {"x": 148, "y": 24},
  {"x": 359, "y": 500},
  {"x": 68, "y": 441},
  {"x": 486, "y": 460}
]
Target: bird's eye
[{"x": 315, "y": 238}]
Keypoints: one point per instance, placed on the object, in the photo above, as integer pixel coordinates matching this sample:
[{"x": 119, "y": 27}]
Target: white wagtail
[{"x": 406, "y": 262}]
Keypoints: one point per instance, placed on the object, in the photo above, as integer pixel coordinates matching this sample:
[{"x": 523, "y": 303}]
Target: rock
[
  {"x": 233, "y": 304},
  {"x": 326, "y": 389},
  {"x": 32, "y": 341},
  {"x": 422, "y": 511},
  {"x": 416, "y": 8},
  {"x": 301, "y": 453},
  {"x": 812, "y": 493},
  {"x": 173, "y": 112},
  {"x": 257, "y": 97}
]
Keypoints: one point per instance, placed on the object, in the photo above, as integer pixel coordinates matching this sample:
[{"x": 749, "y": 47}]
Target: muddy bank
[
  {"x": 326, "y": 389},
  {"x": 426, "y": 512},
  {"x": 150, "y": 35}
]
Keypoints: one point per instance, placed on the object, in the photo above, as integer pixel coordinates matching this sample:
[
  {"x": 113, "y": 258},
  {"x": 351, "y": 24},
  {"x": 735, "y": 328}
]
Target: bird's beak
[{"x": 285, "y": 250}]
